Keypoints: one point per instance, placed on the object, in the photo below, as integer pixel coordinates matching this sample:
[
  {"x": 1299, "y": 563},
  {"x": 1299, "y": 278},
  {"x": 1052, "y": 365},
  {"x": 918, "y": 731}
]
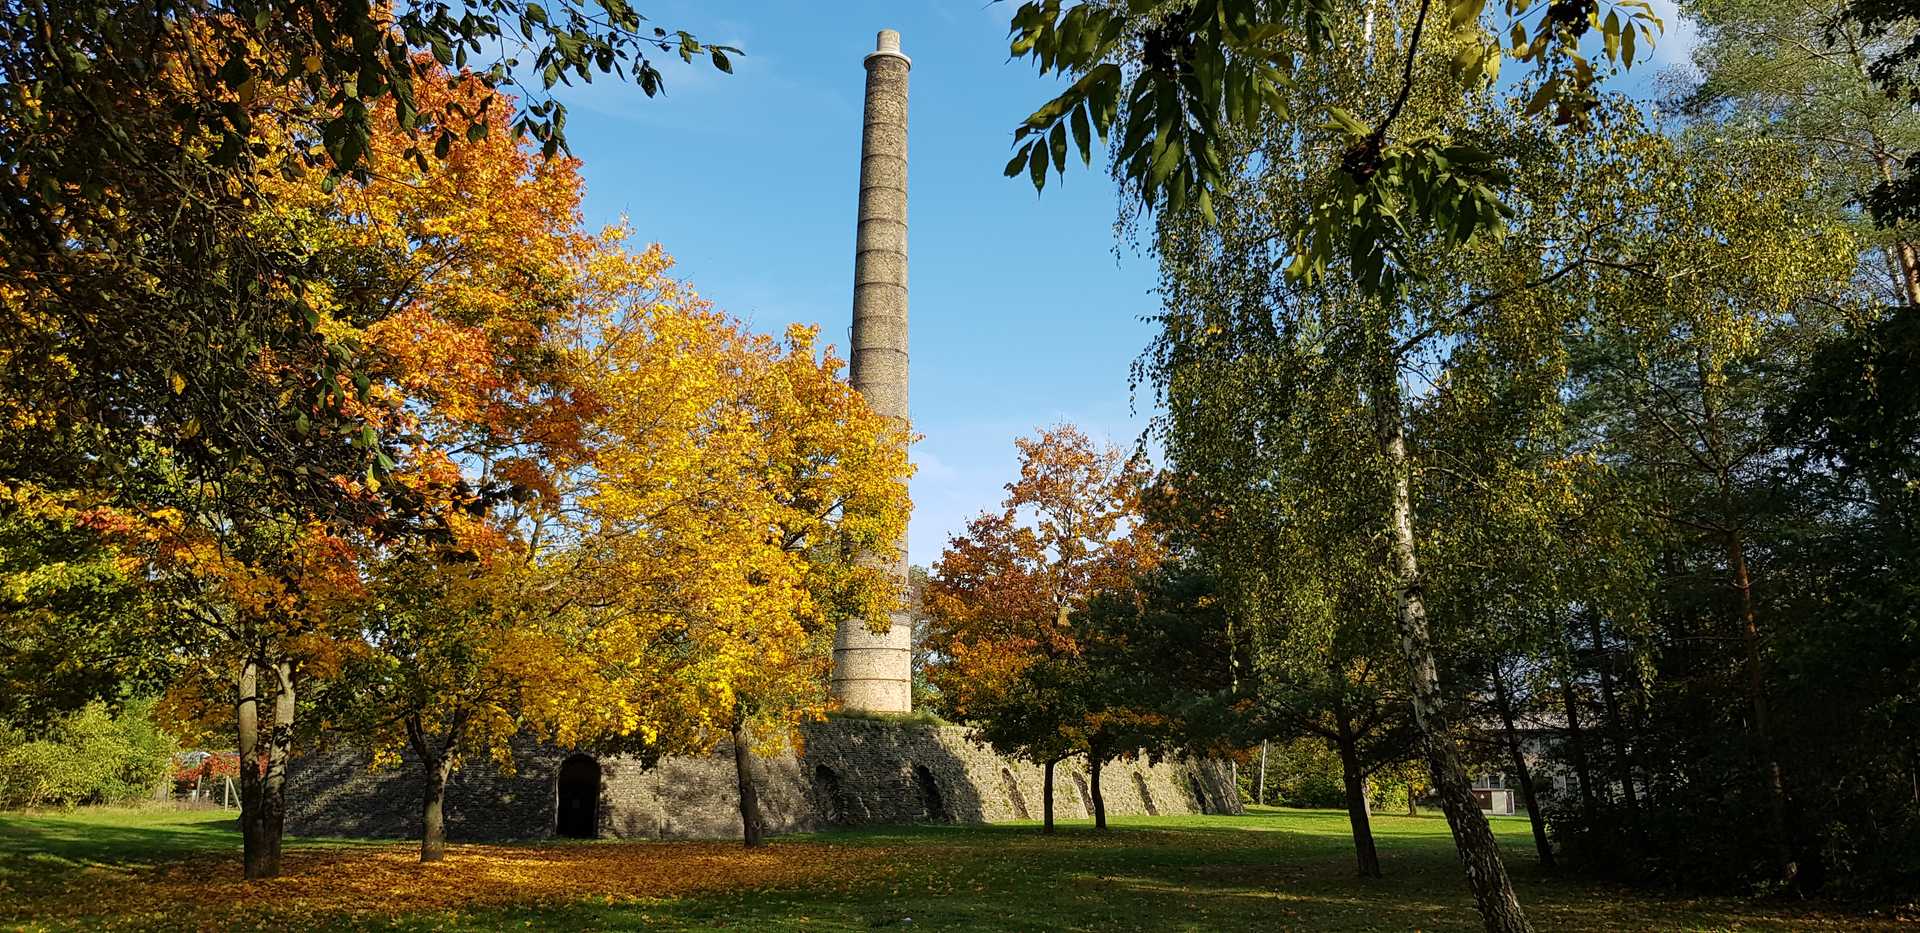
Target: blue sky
[{"x": 1025, "y": 309}]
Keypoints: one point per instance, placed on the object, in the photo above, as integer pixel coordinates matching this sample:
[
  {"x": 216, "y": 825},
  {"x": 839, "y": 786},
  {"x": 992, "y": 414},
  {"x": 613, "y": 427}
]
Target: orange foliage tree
[
  {"x": 478, "y": 257},
  {"x": 666, "y": 578},
  {"x": 1006, "y": 596},
  {"x": 176, "y": 373},
  {"x": 436, "y": 284},
  {"x": 560, "y": 494}
]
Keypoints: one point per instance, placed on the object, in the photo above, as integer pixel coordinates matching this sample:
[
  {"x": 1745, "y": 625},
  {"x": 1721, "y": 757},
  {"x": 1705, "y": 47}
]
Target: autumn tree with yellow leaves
[
  {"x": 650, "y": 512},
  {"x": 735, "y": 482},
  {"x": 450, "y": 652},
  {"x": 580, "y": 505}
]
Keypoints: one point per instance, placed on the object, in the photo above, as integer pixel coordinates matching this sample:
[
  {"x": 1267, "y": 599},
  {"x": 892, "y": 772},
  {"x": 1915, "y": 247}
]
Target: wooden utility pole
[{"x": 1260, "y": 788}]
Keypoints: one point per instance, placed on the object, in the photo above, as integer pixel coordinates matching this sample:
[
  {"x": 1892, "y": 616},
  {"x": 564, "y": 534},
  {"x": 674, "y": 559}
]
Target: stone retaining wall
[{"x": 850, "y": 772}]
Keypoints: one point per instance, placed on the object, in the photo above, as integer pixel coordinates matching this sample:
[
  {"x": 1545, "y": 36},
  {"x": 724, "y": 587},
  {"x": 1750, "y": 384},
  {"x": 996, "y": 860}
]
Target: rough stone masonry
[{"x": 849, "y": 772}]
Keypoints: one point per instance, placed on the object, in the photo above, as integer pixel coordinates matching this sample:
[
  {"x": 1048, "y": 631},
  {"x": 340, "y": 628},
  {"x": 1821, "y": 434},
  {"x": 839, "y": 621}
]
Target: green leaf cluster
[
  {"x": 1178, "y": 82},
  {"x": 91, "y": 755}
]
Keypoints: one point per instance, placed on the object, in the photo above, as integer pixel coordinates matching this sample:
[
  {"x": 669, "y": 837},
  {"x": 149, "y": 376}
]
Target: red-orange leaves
[{"x": 1004, "y": 594}]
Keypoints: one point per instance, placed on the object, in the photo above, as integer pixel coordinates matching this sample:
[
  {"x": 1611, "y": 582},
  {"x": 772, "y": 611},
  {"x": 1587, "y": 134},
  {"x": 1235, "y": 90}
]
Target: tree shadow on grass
[
  {"x": 38, "y": 850},
  {"x": 1216, "y": 874},
  {"x": 90, "y": 842}
]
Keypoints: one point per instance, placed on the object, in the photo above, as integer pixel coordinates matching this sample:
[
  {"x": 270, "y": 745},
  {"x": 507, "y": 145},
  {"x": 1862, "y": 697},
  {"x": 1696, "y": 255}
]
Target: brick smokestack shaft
[{"x": 873, "y": 672}]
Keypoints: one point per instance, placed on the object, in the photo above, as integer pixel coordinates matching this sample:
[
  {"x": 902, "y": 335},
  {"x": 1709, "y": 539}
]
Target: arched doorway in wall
[
  {"x": 933, "y": 805},
  {"x": 828, "y": 797},
  {"x": 1146, "y": 796},
  {"x": 577, "y": 798},
  {"x": 1014, "y": 797}
]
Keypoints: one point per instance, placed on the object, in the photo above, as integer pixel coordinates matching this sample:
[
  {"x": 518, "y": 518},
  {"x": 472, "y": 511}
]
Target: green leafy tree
[
  {"x": 1886, "y": 36},
  {"x": 75, "y": 626},
  {"x": 1174, "y": 83},
  {"x": 1165, "y": 672},
  {"x": 1354, "y": 351},
  {"x": 1268, "y": 489},
  {"x": 1685, "y": 359},
  {"x": 1804, "y": 74}
]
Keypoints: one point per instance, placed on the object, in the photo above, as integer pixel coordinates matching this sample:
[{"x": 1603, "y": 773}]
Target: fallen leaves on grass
[{"x": 318, "y": 882}]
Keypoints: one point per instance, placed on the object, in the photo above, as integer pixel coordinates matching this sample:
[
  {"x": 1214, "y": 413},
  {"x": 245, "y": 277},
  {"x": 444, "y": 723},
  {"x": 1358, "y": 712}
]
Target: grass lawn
[{"x": 1272, "y": 869}]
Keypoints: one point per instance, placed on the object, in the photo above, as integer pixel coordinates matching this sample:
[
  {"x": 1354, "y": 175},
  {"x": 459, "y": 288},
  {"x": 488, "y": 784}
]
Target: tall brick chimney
[{"x": 874, "y": 672}]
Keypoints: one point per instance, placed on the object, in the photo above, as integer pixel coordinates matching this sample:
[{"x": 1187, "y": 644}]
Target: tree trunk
[
  {"x": 1479, "y": 851},
  {"x": 1517, "y": 757},
  {"x": 1577, "y": 752},
  {"x": 1413, "y": 805},
  {"x": 1616, "y": 729},
  {"x": 246, "y": 714},
  {"x": 436, "y": 765},
  {"x": 1784, "y": 862},
  {"x": 1906, "y": 257},
  {"x": 433, "y": 825},
  {"x": 750, "y": 826},
  {"x": 1099, "y": 802},
  {"x": 263, "y": 794},
  {"x": 1046, "y": 799},
  {"x": 273, "y": 792},
  {"x": 1358, "y": 817}
]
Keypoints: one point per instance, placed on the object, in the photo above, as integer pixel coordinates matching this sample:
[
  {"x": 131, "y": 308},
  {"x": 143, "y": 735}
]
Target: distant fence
[{"x": 219, "y": 793}]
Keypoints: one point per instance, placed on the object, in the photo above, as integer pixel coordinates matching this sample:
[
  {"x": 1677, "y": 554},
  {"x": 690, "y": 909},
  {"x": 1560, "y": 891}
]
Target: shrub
[
  {"x": 91, "y": 755},
  {"x": 1304, "y": 773}
]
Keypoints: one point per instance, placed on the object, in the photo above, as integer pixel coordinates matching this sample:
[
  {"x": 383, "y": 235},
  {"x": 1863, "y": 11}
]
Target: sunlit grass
[{"x": 1271, "y": 869}]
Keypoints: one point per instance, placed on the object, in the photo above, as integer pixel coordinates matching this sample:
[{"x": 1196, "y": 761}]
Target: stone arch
[
  {"x": 1199, "y": 790},
  {"x": 1146, "y": 796},
  {"x": 577, "y": 798},
  {"x": 1014, "y": 798},
  {"x": 830, "y": 798},
  {"x": 1086, "y": 796},
  {"x": 933, "y": 806}
]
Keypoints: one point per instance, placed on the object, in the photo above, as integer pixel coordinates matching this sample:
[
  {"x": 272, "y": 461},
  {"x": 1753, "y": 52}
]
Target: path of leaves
[{"x": 321, "y": 882}]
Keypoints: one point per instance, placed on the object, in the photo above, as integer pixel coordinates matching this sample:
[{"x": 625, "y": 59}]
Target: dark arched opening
[
  {"x": 1014, "y": 797},
  {"x": 1086, "y": 796},
  {"x": 1146, "y": 796},
  {"x": 828, "y": 797},
  {"x": 577, "y": 798},
  {"x": 933, "y": 807}
]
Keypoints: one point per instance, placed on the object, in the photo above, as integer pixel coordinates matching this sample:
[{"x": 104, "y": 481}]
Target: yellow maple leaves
[
  {"x": 599, "y": 506},
  {"x": 735, "y": 482},
  {"x": 685, "y": 500}
]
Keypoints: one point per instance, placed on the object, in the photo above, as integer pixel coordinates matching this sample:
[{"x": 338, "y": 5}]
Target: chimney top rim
[{"x": 887, "y": 45}]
